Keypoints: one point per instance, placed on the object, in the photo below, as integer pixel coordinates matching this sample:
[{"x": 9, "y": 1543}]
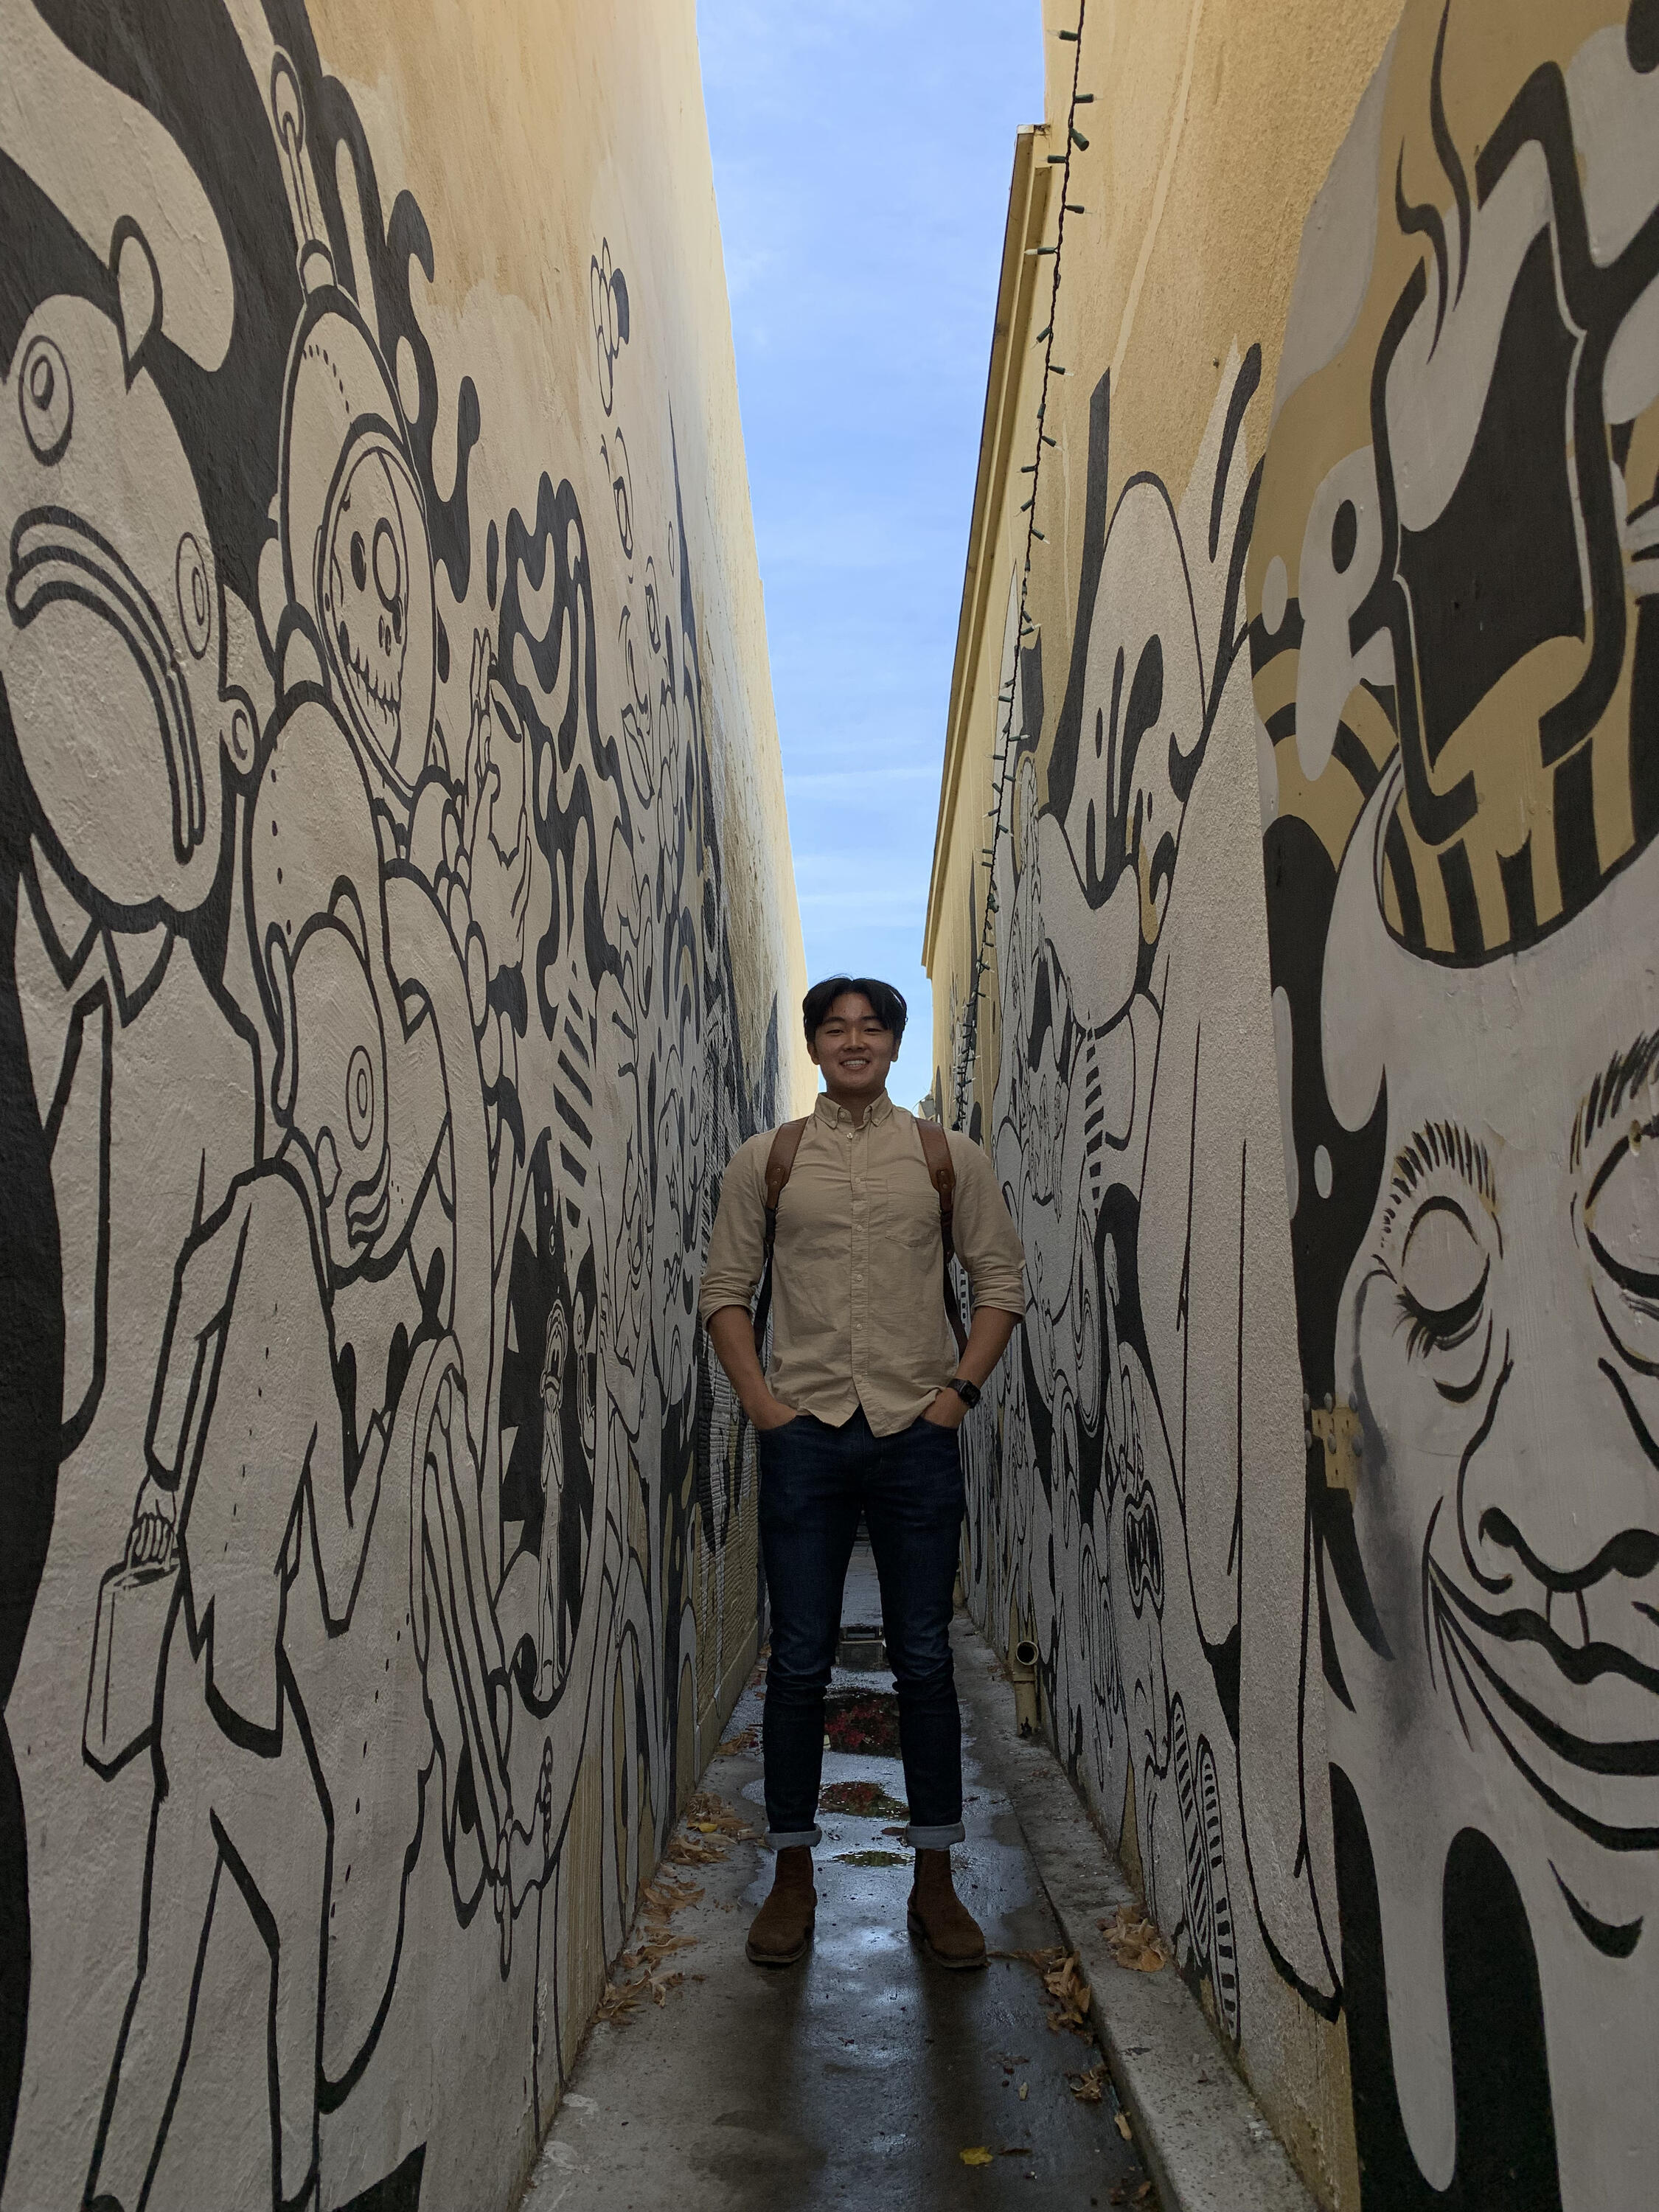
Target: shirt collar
[{"x": 833, "y": 1116}]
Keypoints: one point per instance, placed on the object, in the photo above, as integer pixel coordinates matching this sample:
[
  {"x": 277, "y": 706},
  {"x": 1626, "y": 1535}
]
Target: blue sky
[{"x": 862, "y": 151}]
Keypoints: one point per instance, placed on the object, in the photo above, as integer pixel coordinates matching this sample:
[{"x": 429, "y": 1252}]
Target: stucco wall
[
  {"x": 1324, "y": 1476},
  {"x": 395, "y": 910}
]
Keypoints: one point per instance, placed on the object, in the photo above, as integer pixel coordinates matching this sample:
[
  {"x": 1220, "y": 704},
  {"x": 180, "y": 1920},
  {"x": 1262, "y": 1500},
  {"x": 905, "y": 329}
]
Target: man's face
[
  {"x": 854, "y": 1048},
  {"x": 1499, "y": 1332}
]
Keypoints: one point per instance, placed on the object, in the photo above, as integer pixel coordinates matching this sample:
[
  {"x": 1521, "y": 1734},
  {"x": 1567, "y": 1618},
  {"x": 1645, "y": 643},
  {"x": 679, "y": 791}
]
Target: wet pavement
[{"x": 859, "y": 2077}]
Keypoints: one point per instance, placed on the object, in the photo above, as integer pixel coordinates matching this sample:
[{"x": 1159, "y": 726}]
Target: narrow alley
[
  {"x": 861, "y": 2076},
  {"x": 866, "y": 2077},
  {"x": 776, "y": 765}
]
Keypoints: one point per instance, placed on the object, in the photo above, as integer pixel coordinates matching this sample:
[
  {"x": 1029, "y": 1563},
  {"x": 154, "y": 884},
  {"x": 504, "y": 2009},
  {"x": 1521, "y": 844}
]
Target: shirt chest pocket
[{"x": 908, "y": 1210}]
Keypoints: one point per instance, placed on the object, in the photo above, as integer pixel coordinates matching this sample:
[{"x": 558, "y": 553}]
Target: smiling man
[{"x": 857, "y": 1211}]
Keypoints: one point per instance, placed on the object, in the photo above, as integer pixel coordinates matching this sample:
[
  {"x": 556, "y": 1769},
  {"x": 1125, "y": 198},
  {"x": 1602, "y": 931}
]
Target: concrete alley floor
[{"x": 858, "y": 2077}]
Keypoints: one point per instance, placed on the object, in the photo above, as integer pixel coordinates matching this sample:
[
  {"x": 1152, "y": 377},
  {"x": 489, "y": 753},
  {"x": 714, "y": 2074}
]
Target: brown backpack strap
[
  {"x": 780, "y": 1164},
  {"x": 942, "y": 1174}
]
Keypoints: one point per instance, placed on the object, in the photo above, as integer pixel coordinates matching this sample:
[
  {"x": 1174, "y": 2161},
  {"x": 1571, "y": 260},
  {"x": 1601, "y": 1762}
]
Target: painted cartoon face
[
  {"x": 1115, "y": 818},
  {"x": 339, "y": 1098},
  {"x": 1499, "y": 1331},
  {"x": 356, "y": 553},
  {"x": 319, "y": 923},
  {"x": 365, "y": 596},
  {"x": 112, "y": 640},
  {"x": 497, "y": 836}
]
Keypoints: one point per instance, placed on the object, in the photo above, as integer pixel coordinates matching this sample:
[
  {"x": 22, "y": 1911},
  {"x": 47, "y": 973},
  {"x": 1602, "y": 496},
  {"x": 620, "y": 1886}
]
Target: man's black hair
[{"x": 888, "y": 1005}]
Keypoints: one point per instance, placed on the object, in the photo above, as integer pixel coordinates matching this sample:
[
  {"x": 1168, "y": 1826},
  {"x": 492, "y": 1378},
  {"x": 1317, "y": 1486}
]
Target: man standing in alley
[{"x": 848, "y": 1221}]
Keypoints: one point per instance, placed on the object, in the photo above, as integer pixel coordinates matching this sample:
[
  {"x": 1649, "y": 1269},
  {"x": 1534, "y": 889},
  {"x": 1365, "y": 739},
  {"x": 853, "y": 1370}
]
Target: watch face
[{"x": 968, "y": 1392}]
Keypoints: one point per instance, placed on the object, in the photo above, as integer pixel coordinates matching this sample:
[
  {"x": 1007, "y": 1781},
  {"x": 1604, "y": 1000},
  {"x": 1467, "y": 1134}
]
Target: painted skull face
[
  {"x": 366, "y": 594},
  {"x": 357, "y": 554}
]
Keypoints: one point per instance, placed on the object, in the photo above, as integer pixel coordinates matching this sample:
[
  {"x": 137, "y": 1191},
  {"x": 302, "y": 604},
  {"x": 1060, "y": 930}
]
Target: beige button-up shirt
[{"x": 858, "y": 1303}]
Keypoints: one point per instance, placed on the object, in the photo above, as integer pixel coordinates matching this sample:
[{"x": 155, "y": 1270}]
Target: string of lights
[{"x": 968, "y": 1048}]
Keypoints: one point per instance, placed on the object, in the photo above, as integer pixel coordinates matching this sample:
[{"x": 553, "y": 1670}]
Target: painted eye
[
  {"x": 1622, "y": 1218},
  {"x": 359, "y": 561},
  {"x": 45, "y": 400},
  {"x": 1622, "y": 1225},
  {"x": 195, "y": 595},
  {"x": 1442, "y": 1274},
  {"x": 360, "y": 1097},
  {"x": 388, "y": 572}
]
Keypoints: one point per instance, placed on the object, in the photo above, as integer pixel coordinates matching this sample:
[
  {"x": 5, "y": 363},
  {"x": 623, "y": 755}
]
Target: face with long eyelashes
[
  {"x": 366, "y": 597},
  {"x": 1499, "y": 1335}
]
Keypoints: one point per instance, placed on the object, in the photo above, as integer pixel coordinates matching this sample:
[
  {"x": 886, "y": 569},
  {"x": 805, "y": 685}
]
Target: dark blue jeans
[{"x": 814, "y": 1482}]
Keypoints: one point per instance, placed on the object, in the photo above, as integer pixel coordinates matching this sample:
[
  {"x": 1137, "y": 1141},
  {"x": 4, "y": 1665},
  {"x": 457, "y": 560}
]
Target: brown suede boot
[
  {"x": 938, "y": 1920},
  {"x": 782, "y": 1929}
]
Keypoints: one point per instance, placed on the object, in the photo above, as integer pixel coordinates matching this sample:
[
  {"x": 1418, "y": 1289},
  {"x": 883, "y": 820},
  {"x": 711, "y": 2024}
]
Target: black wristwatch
[{"x": 967, "y": 1391}]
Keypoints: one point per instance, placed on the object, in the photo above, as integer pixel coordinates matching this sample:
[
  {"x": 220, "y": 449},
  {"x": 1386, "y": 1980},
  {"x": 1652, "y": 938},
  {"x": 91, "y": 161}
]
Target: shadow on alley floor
[{"x": 859, "y": 2077}]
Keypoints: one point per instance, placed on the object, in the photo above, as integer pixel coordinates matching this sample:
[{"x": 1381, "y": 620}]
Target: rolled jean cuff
[
  {"x": 793, "y": 1838},
  {"x": 935, "y": 1839}
]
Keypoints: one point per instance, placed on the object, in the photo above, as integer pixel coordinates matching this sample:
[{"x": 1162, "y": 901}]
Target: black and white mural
[
  {"x": 1134, "y": 1514},
  {"x": 1456, "y": 647},
  {"x": 369, "y": 1046},
  {"x": 1349, "y": 1635}
]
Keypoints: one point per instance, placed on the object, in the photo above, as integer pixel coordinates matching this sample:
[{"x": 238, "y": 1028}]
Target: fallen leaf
[
  {"x": 705, "y": 1810},
  {"x": 696, "y": 1849},
  {"x": 979, "y": 2155},
  {"x": 1143, "y": 2192},
  {"x": 1068, "y": 1993},
  {"x": 1025, "y": 2090},
  {"x": 1123, "y": 2127},
  {"x": 689, "y": 1850},
  {"x": 1089, "y": 2087},
  {"x": 658, "y": 1900},
  {"x": 656, "y": 1947},
  {"x": 1134, "y": 1940},
  {"x": 656, "y": 1941}
]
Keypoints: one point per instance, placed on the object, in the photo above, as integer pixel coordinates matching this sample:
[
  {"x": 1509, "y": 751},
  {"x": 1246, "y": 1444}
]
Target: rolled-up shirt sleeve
[
  {"x": 736, "y": 1244},
  {"x": 987, "y": 1243}
]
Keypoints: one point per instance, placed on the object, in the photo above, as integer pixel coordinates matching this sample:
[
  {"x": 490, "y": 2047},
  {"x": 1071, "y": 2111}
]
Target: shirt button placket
[{"x": 859, "y": 1245}]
